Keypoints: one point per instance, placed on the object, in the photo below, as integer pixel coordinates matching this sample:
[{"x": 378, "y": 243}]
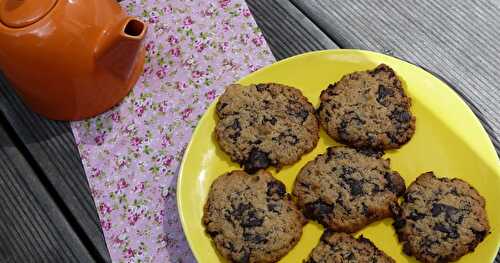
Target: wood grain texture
[
  {"x": 287, "y": 31},
  {"x": 457, "y": 40},
  {"x": 51, "y": 147},
  {"x": 32, "y": 228}
]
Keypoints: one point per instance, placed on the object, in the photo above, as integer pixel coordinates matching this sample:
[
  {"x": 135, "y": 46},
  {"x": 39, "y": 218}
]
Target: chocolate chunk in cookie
[
  {"x": 367, "y": 109},
  {"x": 345, "y": 189},
  {"x": 440, "y": 219},
  {"x": 341, "y": 247},
  {"x": 265, "y": 125},
  {"x": 251, "y": 218}
]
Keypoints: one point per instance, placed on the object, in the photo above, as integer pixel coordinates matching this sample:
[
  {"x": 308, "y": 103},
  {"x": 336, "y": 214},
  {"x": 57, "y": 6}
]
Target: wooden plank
[
  {"x": 33, "y": 229},
  {"x": 287, "y": 31},
  {"x": 456, "y": 40},
  {"x": 49, "y": 145}
]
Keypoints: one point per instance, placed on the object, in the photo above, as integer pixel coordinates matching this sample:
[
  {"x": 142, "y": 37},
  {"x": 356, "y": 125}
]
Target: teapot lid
[{"x": 21, "y": 13}]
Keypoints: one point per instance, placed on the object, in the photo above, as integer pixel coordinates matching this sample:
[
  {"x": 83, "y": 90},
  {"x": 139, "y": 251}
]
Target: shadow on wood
[{"x": 49, "y": 147}]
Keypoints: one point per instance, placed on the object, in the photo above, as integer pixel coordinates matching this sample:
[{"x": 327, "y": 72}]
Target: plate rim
[{"x": 490, "y": 145}]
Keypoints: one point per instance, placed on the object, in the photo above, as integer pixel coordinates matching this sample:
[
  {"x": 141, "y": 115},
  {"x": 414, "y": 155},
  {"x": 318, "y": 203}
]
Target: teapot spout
[
  {"x": 134, "y": 29},
  {"x": 118, "y": 51}
]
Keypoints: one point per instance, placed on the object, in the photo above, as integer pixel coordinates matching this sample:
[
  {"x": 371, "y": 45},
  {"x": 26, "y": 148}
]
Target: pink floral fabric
[{"x": 131, "y": 154}]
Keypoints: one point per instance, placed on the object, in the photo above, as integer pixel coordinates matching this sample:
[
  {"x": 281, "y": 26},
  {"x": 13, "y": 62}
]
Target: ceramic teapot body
[{"x": 70, "y": 59}]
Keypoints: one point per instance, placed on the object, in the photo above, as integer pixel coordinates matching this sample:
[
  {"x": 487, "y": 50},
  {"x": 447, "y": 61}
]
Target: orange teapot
[{"x": 70, "y": 59}]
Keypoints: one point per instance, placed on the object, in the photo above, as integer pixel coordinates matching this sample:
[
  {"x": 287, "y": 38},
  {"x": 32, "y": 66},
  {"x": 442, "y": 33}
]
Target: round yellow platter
[{"x": 449, "y": 140}]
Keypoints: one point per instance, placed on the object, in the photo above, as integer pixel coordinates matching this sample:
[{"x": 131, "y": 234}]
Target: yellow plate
[{"x": 449, "y": 140}]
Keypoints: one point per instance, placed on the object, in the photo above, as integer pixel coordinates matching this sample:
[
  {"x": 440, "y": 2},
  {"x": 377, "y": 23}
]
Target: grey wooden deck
[{"x": 46, "y": 211}]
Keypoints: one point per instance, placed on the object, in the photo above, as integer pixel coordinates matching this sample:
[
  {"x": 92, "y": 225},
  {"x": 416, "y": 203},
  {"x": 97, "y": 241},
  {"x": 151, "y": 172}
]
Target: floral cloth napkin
[{"x": 131, "y": 154}]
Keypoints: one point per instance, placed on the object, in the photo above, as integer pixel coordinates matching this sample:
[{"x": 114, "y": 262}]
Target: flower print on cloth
[{"x": 131, "y": 154}]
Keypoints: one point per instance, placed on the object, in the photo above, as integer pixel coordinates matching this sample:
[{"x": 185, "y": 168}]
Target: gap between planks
[{"x": 12, "y": 135}]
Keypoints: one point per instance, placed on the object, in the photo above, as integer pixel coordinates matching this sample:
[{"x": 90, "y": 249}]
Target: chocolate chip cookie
[
  {"x": 341, "y": 247},
  {"x": 346, "y": 189},
  {"x": 441, "y": 219},
  {"x": 367, "y": 109},
  {"x": 251, "y": 218},
  {"x": 265, "y": 124}
]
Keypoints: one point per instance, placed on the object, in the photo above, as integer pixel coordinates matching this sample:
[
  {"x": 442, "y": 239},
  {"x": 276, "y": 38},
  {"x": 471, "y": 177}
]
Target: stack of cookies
[{"x": 252, "y": 218}]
